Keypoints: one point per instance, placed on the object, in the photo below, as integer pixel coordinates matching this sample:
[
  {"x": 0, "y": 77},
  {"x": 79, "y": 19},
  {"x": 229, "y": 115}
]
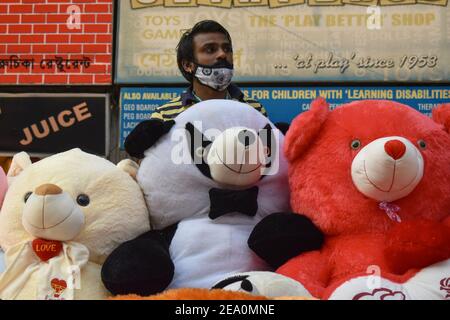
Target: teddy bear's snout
[
  {"x": 387, "y": 169},
  {"x": 236, "y": 157},
  {"x": 50, "y": 213}
]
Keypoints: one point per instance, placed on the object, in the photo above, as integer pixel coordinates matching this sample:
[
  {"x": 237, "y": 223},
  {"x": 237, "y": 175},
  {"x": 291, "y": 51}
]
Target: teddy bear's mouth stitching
[
  {"x": 373, "y": 184},
  {"x": 238, "y": 172},
  {"x": 393, "y": 177},
  {"x": 43, "y": 215}
]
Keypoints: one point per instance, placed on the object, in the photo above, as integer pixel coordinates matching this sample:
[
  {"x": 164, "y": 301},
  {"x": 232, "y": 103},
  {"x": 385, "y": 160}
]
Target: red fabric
[
  {"x": 395, "y": 148},
  {"x": 441, "y": 115},
  {"x": 357, "y": 233},
  {"x": 46, "y": 249},
  {"x": 304, "y": 129},
  {"x": 416, "y": 244}
]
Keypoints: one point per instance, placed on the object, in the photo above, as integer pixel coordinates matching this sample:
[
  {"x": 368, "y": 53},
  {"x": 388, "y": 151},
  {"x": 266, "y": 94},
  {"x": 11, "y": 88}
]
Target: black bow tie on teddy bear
[{"x": 224, "y": 201}]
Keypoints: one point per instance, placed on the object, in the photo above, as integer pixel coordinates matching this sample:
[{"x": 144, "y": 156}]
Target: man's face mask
[{"x": 217, "y": 76}]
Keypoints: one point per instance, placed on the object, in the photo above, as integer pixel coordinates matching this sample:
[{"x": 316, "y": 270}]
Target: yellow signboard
[{"x": 293, "y": 40}]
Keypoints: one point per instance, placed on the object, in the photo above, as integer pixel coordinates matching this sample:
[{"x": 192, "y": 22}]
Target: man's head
[{"x": 205, "y": 44}]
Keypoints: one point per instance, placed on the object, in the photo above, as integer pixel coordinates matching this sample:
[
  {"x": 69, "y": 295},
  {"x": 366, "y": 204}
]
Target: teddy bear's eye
[
  {"x": 355, "y": 144},
  {"x": 246, "y": 285},
  {"x": 422, "y": 144},
  {"x": 83, "y": 200},
  {"x": 27, "y": 195},
  {"x": 199, "y": 152}
]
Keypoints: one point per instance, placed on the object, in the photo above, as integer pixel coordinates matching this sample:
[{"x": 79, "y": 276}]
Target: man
[{"x": 205, "y": 58}]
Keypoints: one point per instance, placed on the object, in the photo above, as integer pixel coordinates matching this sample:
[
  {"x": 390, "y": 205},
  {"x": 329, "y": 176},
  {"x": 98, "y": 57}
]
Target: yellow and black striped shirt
[{"x": 187, "y": 99}]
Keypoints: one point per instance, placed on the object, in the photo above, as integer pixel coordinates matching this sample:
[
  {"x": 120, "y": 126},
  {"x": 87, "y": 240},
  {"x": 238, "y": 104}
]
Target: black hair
[{"x": 185, "y": 47}]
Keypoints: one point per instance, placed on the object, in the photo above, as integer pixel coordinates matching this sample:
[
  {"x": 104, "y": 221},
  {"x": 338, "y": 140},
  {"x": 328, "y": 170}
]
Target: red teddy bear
[{"x": 374, "y": 177}]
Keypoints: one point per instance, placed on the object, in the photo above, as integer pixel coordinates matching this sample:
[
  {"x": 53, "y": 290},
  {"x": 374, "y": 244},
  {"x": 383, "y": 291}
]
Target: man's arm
[{"x": 157, "y": 115}]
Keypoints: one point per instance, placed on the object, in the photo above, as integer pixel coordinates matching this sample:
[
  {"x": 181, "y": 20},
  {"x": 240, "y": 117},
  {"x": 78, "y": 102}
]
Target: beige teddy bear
[{"x": 60, "y": 219}]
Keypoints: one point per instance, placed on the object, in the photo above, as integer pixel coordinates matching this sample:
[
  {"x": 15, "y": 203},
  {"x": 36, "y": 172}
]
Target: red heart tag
[
  {"x": 58, "y": 286},
  {"x": 46, "y": 249}
]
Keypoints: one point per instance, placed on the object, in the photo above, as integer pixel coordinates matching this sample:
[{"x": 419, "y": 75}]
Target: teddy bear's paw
[
  {"x": 141, "y": 266},
  {"x": 416, "y": 244},
  {"x": 284, "y": 235}
]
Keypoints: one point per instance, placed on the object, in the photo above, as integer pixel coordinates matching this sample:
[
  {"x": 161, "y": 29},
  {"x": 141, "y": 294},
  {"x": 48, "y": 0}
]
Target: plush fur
[
  {"x": 357, "y": 232},
  {"x": 179, "y": 193},
  {"x": 205, "y": 294},
  {"x": 116, "y": 213},
  {"x": 176, "y": 191},
  {"x": 203, "y": 211},
  {"x": 194, "y": 294},
  {"x": 263, "y": 283}
]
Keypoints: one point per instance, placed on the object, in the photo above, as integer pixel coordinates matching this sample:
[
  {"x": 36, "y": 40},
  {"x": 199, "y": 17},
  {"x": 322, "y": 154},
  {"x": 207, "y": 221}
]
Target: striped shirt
[{"x": 187, "y": 99}]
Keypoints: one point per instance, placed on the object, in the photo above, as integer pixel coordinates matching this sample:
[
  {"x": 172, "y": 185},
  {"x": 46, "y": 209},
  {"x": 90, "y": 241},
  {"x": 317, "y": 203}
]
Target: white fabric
[
  {"x": 20, "y": 161},
  {"x": 22, "y": 262},
  {"x": 231, "y": 163},
  {"x": 203, "y": 250},
  {"x": 378, "y": 176},
  {"x": 270, "y": 284},
  {"x": 175, "y": 191},
  {"x": 114, "y": 198},
  {"x": 215, "y": 78},
  {"x": 425, "y": 285},
  {"x": 52, "y": 217}
]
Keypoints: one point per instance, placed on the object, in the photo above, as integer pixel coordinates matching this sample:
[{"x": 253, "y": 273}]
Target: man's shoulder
[
  {"x": 237, "y": 94},
  {"x": 176, "y": 102},
  {"x": 254, "y": 103},
  {"x": 170, "y": 110},
  {"x": 248, "y": 100}
]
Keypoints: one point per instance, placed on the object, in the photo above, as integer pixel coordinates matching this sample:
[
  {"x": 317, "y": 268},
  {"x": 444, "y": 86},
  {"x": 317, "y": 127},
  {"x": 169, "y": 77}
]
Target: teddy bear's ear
[
  {"x": 282, "y": 126},
  {"x": 145, "y": 135},
  {"x": 304, "y": 129},
  {"x": 129, "y": 166},
  {"x": 19, "y": 162},
  {"x": 441, "y": 115}
]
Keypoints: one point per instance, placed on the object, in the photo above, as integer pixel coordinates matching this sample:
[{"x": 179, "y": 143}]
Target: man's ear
[
  {"x": 20, "y": 162},
  {"x": 145, "y": 135},
  {"x": 305, "y": 128},
  {"x": 441, "y": 115},
  {"x": 129, "y": 166},
  {"x": 188, "y": 66}
]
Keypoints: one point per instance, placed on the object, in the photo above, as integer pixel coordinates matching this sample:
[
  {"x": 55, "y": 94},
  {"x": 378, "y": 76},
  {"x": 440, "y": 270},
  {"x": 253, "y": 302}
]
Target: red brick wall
[{"x": 38, "y": 29}]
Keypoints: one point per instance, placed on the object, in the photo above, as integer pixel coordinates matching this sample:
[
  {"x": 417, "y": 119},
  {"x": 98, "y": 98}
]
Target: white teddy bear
[
  {"x": 209, "y": 176},
  {"x": 60, "y": 219}
]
